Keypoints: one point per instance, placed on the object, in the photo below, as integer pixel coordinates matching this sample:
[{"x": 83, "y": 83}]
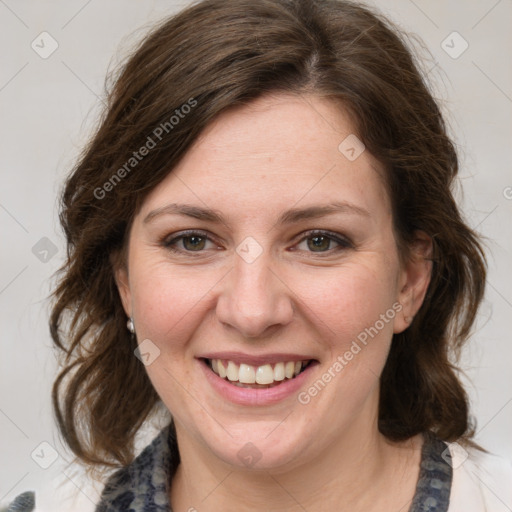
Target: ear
[
  {"x": 123, "y": 284},
  {"x": 414, "y": 280}
]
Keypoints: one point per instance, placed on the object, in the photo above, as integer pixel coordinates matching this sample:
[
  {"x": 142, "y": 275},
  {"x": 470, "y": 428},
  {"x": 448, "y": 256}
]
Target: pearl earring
[{"x": 130, "y": 325}]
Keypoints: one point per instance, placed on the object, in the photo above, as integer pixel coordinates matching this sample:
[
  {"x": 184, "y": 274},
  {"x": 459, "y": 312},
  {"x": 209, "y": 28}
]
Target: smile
[
  {"x": 257, "y": 379},
  {"x": 263, "y": 376}
]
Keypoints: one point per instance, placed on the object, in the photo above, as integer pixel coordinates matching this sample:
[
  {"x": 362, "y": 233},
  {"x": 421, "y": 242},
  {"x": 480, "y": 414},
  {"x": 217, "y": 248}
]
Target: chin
[{"x": 259, "y": 445}]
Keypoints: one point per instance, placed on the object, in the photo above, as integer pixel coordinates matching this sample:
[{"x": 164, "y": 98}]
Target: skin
[{"x": 250, "y": 165}]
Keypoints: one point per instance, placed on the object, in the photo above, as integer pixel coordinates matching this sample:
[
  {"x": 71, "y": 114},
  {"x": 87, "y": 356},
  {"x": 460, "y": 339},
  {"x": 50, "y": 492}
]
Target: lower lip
[{"x": 253, "y": 396}]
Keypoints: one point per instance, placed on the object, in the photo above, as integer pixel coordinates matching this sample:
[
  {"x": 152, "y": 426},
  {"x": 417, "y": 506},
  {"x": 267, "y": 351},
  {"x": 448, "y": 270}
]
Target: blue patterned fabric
[
  {"x": 23, "y": 503},
  {"x": 143, "y": 486},
  {"x": 435, "y": 480}
]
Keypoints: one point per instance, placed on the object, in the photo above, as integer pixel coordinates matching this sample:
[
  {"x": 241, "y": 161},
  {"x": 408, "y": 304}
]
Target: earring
[{"x": 130, "y": 325}]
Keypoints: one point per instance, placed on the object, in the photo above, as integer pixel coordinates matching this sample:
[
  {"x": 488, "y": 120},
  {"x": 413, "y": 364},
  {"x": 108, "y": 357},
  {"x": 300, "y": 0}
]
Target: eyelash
[{"x": 343, "y": 242}]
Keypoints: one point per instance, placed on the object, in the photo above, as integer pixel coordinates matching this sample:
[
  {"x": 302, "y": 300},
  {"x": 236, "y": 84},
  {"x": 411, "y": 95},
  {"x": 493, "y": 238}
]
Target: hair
[{"x": 212, "y": 56}]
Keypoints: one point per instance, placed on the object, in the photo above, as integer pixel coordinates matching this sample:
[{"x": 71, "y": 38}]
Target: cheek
[
  {"x": 168, "y": 302},
  {"x": 349, "y": 299},
  {"x": 168, "y": 307}
]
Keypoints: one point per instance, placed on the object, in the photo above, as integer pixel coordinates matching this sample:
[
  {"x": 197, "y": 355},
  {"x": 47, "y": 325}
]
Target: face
[{"x": 268, "y": 253}]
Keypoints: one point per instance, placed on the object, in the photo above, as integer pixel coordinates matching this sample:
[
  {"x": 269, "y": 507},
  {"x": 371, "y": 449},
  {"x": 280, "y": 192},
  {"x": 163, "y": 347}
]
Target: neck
[{"x": 357, "y": 473}]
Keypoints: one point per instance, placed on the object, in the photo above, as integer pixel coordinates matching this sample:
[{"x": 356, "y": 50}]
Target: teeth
[
  {"x": 279, "y": 371},
  {"x": 232, "y": 372},
  {"x": 289, "y": 369},
  {"x": 264, "y": 374},
  {"x": 221, "y": 369},
  {"x": 246, "y": 374}
]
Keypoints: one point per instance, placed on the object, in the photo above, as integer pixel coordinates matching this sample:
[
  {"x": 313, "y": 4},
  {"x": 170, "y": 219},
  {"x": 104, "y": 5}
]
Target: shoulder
[
  {"x": 142, "y": 485},
  {"x": 482, "y": 482}
]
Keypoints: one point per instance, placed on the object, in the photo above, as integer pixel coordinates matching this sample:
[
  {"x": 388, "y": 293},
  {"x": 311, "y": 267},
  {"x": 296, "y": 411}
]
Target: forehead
[{"x": 277, "y": 151}]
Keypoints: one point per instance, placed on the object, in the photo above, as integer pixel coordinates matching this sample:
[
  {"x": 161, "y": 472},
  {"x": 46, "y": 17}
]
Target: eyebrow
[{"x": 288, "y": 217}]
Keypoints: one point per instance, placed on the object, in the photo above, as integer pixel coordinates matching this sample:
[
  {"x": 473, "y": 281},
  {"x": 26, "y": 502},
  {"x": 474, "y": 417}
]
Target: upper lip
[{"x": 256, "y": 360}]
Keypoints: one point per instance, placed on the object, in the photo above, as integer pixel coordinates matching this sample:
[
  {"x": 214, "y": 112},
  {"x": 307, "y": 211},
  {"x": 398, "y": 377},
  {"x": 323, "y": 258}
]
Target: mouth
[{"x": 263, "y": 376}]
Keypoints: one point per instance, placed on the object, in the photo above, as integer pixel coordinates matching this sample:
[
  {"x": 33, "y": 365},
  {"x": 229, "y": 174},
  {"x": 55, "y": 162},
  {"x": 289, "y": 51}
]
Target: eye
[
  {"x": 188, "y": 241},
  {"x": 318, "y": 241}
]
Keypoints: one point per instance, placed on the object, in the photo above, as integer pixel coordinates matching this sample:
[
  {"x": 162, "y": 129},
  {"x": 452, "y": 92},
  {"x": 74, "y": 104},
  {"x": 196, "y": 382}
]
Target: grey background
[{"x": 49, "y": 106}]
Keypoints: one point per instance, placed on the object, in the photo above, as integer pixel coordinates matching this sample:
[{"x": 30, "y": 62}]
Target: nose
[{"x": 254, "y": 301}]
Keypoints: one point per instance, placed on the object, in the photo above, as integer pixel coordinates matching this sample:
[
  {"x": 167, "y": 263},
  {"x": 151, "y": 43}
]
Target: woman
[{"x": 262, "y": 238}]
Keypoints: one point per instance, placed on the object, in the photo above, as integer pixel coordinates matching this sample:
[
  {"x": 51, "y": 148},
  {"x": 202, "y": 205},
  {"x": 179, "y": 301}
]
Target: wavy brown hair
[{"x": 214, "y": 55}]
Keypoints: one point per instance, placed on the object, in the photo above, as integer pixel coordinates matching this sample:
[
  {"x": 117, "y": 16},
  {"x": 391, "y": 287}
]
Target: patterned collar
[
  {"x": 435, "y": 480},
  {"x": 143, "y": 486}
]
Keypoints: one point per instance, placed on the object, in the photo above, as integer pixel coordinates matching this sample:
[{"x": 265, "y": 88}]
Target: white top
[{"x": 481, "y": 482}]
